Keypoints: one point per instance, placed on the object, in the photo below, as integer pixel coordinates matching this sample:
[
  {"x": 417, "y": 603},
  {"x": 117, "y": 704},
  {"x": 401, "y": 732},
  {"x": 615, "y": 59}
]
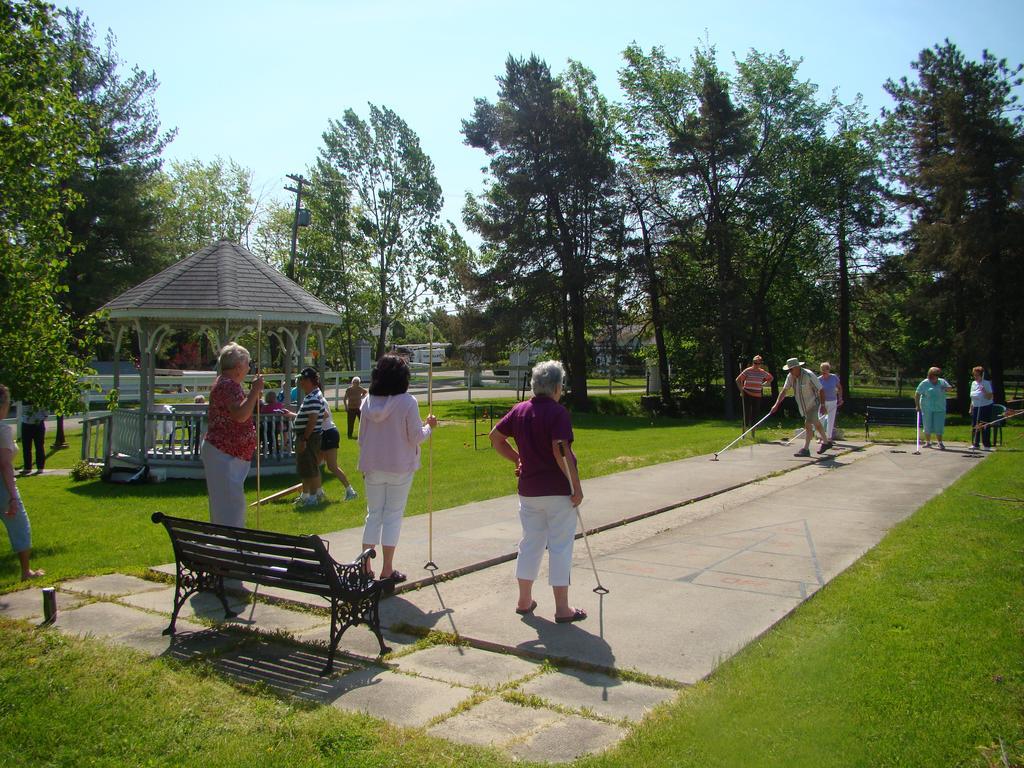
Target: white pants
[
  {"x": 548, "y": 521},
  {"x": 225, "y": 485},
  {"x": 831, "y": 406},
  {"x": 386, "y": 495}
]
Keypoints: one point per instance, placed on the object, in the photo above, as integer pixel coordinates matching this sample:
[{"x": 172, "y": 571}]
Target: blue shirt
[
  {"x": 933, "y": 396},
  {"x": 831, "y": 386}
]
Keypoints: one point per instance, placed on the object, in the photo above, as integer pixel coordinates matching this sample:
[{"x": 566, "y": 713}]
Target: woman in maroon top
[
  {"x": 542, "y": 429},
  {"x": 230, "y": 436}
]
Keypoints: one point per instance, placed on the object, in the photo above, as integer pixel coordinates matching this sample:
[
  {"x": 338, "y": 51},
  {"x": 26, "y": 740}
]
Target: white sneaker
[
  {"x": 321, "y": 497},
  {"x": 302, "y": 501},
  {"x": 350, "y": 493}
]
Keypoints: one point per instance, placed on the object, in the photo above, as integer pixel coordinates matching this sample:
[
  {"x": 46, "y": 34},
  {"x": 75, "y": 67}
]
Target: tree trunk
[
  {"x": 725, "y": 314},
  {"x": 657, "y": 319},
  {"x": 844, "y": 300},
  {"x": 961, "y": 365},
  {"x": 578, "y": 351},
  {"x": 382, "y": 337}
]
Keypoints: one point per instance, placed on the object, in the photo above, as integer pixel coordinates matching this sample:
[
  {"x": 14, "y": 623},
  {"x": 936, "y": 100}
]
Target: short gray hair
[
  {"x": 231, "y": 356},
  {"x": 547, "y": 377}
]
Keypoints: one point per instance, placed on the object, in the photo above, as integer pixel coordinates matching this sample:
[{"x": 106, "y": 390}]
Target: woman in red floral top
[{"x": 230, "y": 436}]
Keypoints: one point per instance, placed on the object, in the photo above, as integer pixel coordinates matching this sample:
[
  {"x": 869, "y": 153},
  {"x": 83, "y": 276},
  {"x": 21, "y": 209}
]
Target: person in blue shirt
[{"x": 930, "y": 399}]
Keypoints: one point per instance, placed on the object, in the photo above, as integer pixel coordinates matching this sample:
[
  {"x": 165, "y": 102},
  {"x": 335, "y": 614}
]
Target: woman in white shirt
[
  {"x": 981, "y": 408},
  {"x": 11, "y": 509}
]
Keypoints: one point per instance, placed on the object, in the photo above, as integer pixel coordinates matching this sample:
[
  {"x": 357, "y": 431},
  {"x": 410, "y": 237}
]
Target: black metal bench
[
  {"x": 889, "y": 417},
  {"x": 206, "y": 554}
]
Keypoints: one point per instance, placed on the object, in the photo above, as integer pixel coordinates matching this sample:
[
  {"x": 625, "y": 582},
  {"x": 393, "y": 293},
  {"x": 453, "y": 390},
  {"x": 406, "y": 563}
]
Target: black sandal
[
  {"x": 578, "y": 614},
  {"x": 527, "y": 611}
]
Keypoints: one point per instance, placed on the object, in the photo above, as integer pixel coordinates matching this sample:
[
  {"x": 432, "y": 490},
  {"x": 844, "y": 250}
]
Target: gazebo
[{"x": 219, "y": 291}]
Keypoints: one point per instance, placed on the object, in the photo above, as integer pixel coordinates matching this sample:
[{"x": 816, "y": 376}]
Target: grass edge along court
[{"x": 911, "y": 657}]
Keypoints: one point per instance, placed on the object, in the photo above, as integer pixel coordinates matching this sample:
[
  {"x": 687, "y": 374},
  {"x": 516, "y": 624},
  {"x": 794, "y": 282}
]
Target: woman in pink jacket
[{"x": 389, "y": 455}]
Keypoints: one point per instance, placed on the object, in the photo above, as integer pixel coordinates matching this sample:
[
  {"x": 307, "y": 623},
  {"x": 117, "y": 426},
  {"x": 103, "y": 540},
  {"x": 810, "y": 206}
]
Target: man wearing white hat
[{"x": 810, "y": 399}]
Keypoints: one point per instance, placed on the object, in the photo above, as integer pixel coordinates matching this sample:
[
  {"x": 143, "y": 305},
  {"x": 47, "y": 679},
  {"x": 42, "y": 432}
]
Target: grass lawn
[{"x": 912, "y": 657}]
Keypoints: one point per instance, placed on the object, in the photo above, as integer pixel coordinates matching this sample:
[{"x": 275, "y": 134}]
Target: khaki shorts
[{"x": 307, "y": 463}]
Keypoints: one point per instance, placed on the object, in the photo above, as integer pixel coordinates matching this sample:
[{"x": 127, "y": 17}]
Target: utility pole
[{"x": 297, "y": 189}]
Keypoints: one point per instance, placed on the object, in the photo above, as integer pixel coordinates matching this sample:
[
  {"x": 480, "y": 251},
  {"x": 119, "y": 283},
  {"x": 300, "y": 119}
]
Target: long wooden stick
[
  {"x": 259, "y": 445},
  {"x": 278, "y": 495},
  {"x": 431, "y": 565}
]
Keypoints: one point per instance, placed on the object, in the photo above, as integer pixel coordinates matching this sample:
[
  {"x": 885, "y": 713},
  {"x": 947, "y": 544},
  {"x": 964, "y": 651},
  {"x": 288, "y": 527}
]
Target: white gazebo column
[
  {"x": 117, "y": 332},
  {"x": 144, "y": 367},
  {"x": 289, "y": 352},
  {"x": 303, "y": 344}
]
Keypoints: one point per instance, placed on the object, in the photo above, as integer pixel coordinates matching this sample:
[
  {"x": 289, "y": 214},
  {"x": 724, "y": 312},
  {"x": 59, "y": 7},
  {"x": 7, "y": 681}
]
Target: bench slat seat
[
  {"x": 206, "y": 554},
  {"x": 887, "y": 416}
]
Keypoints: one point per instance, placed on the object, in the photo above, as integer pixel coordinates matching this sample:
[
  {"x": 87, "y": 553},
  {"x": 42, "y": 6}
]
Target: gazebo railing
[
  {"x": 125, "y": 434},
  {"x": 96, "y": 432},
  {"x": 174, "y": 437}
]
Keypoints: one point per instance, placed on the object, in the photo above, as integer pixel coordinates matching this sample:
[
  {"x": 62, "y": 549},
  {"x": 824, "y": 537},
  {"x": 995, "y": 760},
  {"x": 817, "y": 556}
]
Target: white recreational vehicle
[{"x": 421, "y": 353}]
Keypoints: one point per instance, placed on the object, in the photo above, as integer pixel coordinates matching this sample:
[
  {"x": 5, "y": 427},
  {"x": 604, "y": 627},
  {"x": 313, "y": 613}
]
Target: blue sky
[{"x": 257, "y": 80}]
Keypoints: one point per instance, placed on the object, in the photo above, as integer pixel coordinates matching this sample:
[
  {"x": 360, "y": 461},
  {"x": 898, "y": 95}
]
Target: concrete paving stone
[
  {"x": 110, "y": 585},
  {"x": 204, "y": 605},
  {"x": 264, "y": 617},
  {"x": 273, "y": 618},
  {"x": 143, "y": 631},
  {"x": 467, "y": 666},
  {"x": 402, "y": 699},
  {"x": 604, "y": 695},
  {"x": 495, "y": 723},
  {"x": 358, "y": 640},
  {"x": 27, "y": 604},
  {"x": 567, "y": 739},
  {"x": 288, "y": 669}
]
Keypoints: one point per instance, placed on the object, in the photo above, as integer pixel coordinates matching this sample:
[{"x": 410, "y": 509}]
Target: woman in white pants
[
  {"x": 542, "y": 430},
  {"x": 230, "y": 437},
  {"x": 389, "y": 455},
  {"x": 833, "y": 390}
]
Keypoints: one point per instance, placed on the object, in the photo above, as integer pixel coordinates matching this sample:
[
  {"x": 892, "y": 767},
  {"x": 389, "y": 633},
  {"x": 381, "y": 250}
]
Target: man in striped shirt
[
  {"x": 751, "y": 382},
  {"x": 309, "y": 423}
]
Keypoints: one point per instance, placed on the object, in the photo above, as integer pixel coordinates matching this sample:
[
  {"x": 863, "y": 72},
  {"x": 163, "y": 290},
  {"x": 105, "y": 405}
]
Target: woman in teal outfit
[{"x": 930, "y": 399}]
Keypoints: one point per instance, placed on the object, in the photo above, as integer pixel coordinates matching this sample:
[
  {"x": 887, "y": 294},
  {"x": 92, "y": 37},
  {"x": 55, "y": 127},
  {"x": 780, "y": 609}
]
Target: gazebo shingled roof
[{"x": 223, "y": 281}]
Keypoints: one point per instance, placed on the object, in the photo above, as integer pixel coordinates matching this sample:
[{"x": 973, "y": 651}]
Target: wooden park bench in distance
[
  {"x": 889, "y": 417},
  {"x": 205, "y": 554}
]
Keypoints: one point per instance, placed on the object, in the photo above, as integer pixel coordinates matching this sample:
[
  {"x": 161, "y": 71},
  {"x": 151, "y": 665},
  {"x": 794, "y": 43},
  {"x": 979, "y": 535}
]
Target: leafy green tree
[
  {"x": 413, "y": 257},
  {"x": 41, "y": 139},
  {"x": 114, "y": 230},
  {"x": 205, "y": 202},
  {"x": 336, "y": 265},
  {"x": 546, "y": 216},
  {"x": 735, "y": 158},
  {"x": 956, "y": 152}
]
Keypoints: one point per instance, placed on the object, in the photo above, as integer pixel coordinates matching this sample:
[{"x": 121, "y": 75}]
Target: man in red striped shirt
[{"x": 751, "y": 383}]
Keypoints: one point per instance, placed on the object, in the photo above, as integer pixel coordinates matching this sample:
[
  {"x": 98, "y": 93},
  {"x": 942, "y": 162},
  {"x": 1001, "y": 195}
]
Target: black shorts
[{"x": 330, "y": 439}]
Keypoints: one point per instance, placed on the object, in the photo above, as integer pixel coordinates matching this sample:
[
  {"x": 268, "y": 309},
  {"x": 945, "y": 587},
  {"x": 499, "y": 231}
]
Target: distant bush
[{"x": 83, "y": 470}]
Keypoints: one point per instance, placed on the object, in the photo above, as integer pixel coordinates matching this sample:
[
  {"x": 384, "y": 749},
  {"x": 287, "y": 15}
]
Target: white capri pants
[
  {"x": 386, "y": 495},
  {"x": 831, "y": 406},
  {"x": 225, "y": 485},
  {"x": 548, "y": 521}
]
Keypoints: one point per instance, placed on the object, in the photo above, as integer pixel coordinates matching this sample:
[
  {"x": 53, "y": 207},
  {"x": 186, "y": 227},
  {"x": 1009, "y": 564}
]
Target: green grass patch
[{"x": 70, "y": 702}]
